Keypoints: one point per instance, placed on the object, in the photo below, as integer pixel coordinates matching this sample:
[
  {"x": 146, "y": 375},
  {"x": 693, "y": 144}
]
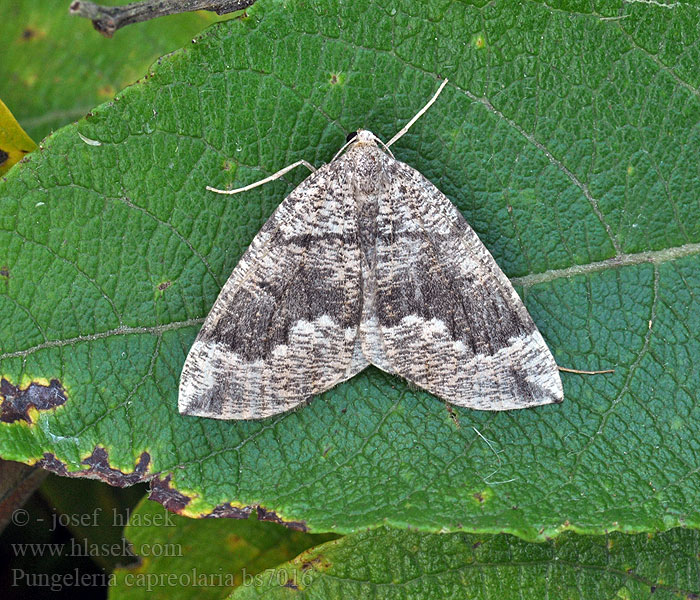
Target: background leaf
[
  {"x": 187, "y": 558},
  {"x": 17, "y": 483},
  {"x": 67, "y": 526},
  {"x": 95, "y": 514},
  {"x": 56, "y": 67},
  {"x": 568, "y": 140},
  {"x": 387, "y": 563}
]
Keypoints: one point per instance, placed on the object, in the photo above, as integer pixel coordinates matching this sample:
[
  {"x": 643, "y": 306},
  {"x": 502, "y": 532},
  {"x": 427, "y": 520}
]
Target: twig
[{"x": 107, "y": 19}]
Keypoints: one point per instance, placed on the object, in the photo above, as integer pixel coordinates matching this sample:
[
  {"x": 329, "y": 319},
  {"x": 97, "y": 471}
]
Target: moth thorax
[{"x": 368, "y": 174}]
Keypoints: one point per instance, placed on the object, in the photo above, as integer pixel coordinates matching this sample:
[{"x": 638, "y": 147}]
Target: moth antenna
[
  {"x": 272, "y": 177},
  {"x": 386, "y": 146},
  {"x": 417, "y": 116},
  {"x": 345, "y": 145}
]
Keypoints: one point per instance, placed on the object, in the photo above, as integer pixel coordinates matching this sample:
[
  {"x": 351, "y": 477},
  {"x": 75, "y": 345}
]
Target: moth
[{"x": 365, "y": 262}]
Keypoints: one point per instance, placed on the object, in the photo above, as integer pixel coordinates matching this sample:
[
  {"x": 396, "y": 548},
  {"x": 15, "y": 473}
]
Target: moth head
[{"x": 362, "y": 136}]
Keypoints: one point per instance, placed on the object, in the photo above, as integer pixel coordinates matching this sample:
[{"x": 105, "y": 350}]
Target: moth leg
[{"x": 579, "y": 372}]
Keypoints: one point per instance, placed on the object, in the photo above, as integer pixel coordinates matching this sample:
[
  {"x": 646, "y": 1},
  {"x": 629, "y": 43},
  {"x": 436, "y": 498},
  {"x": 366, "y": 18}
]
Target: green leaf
[
  {"x": 56, "y": 67},
  {"x": 567, "y": 139},
  {"x": 385, "y": 563},
  {"x": 206, "y": 558}
]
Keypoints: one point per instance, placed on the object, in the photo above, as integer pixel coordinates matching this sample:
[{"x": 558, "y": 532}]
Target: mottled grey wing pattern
[
  {"x": 366, "y": 262},
  {"x": 285, "y": 324},
  {"x": 445, "y": 317}
]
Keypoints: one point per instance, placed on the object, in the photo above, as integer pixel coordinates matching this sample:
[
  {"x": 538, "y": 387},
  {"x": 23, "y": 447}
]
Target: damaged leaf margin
[{"x": 161, "y": 489}]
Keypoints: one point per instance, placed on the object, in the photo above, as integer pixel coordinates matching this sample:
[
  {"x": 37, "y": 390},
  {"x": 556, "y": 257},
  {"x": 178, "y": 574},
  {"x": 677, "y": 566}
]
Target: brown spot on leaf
[
  {"x": 5, "y": 271},
  {"x": 479, "y": 41},
  {"x": 51, "y": 463},
  {"x": 479, "y": 497},
  {"x": 475, "y": 545},
  {"x": 226, "y": 511},
  {"x": 3, "y": 157},
  {"x": 290, "y": 584},
  {"x": 334, "y": 79},
  {"x": 453, "y": 415},
  {"x": 99, "y": 468},
  {"x": 269, "y": 515},
  {"x": 306, "y": 565},
  {"x": 165, "y": 285},
  {"x": 161, "y": 492},
  {"x": 16, "y": 402},
  {"x": 106, "y": 91},
  {"x": 29, "y": 33}
]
